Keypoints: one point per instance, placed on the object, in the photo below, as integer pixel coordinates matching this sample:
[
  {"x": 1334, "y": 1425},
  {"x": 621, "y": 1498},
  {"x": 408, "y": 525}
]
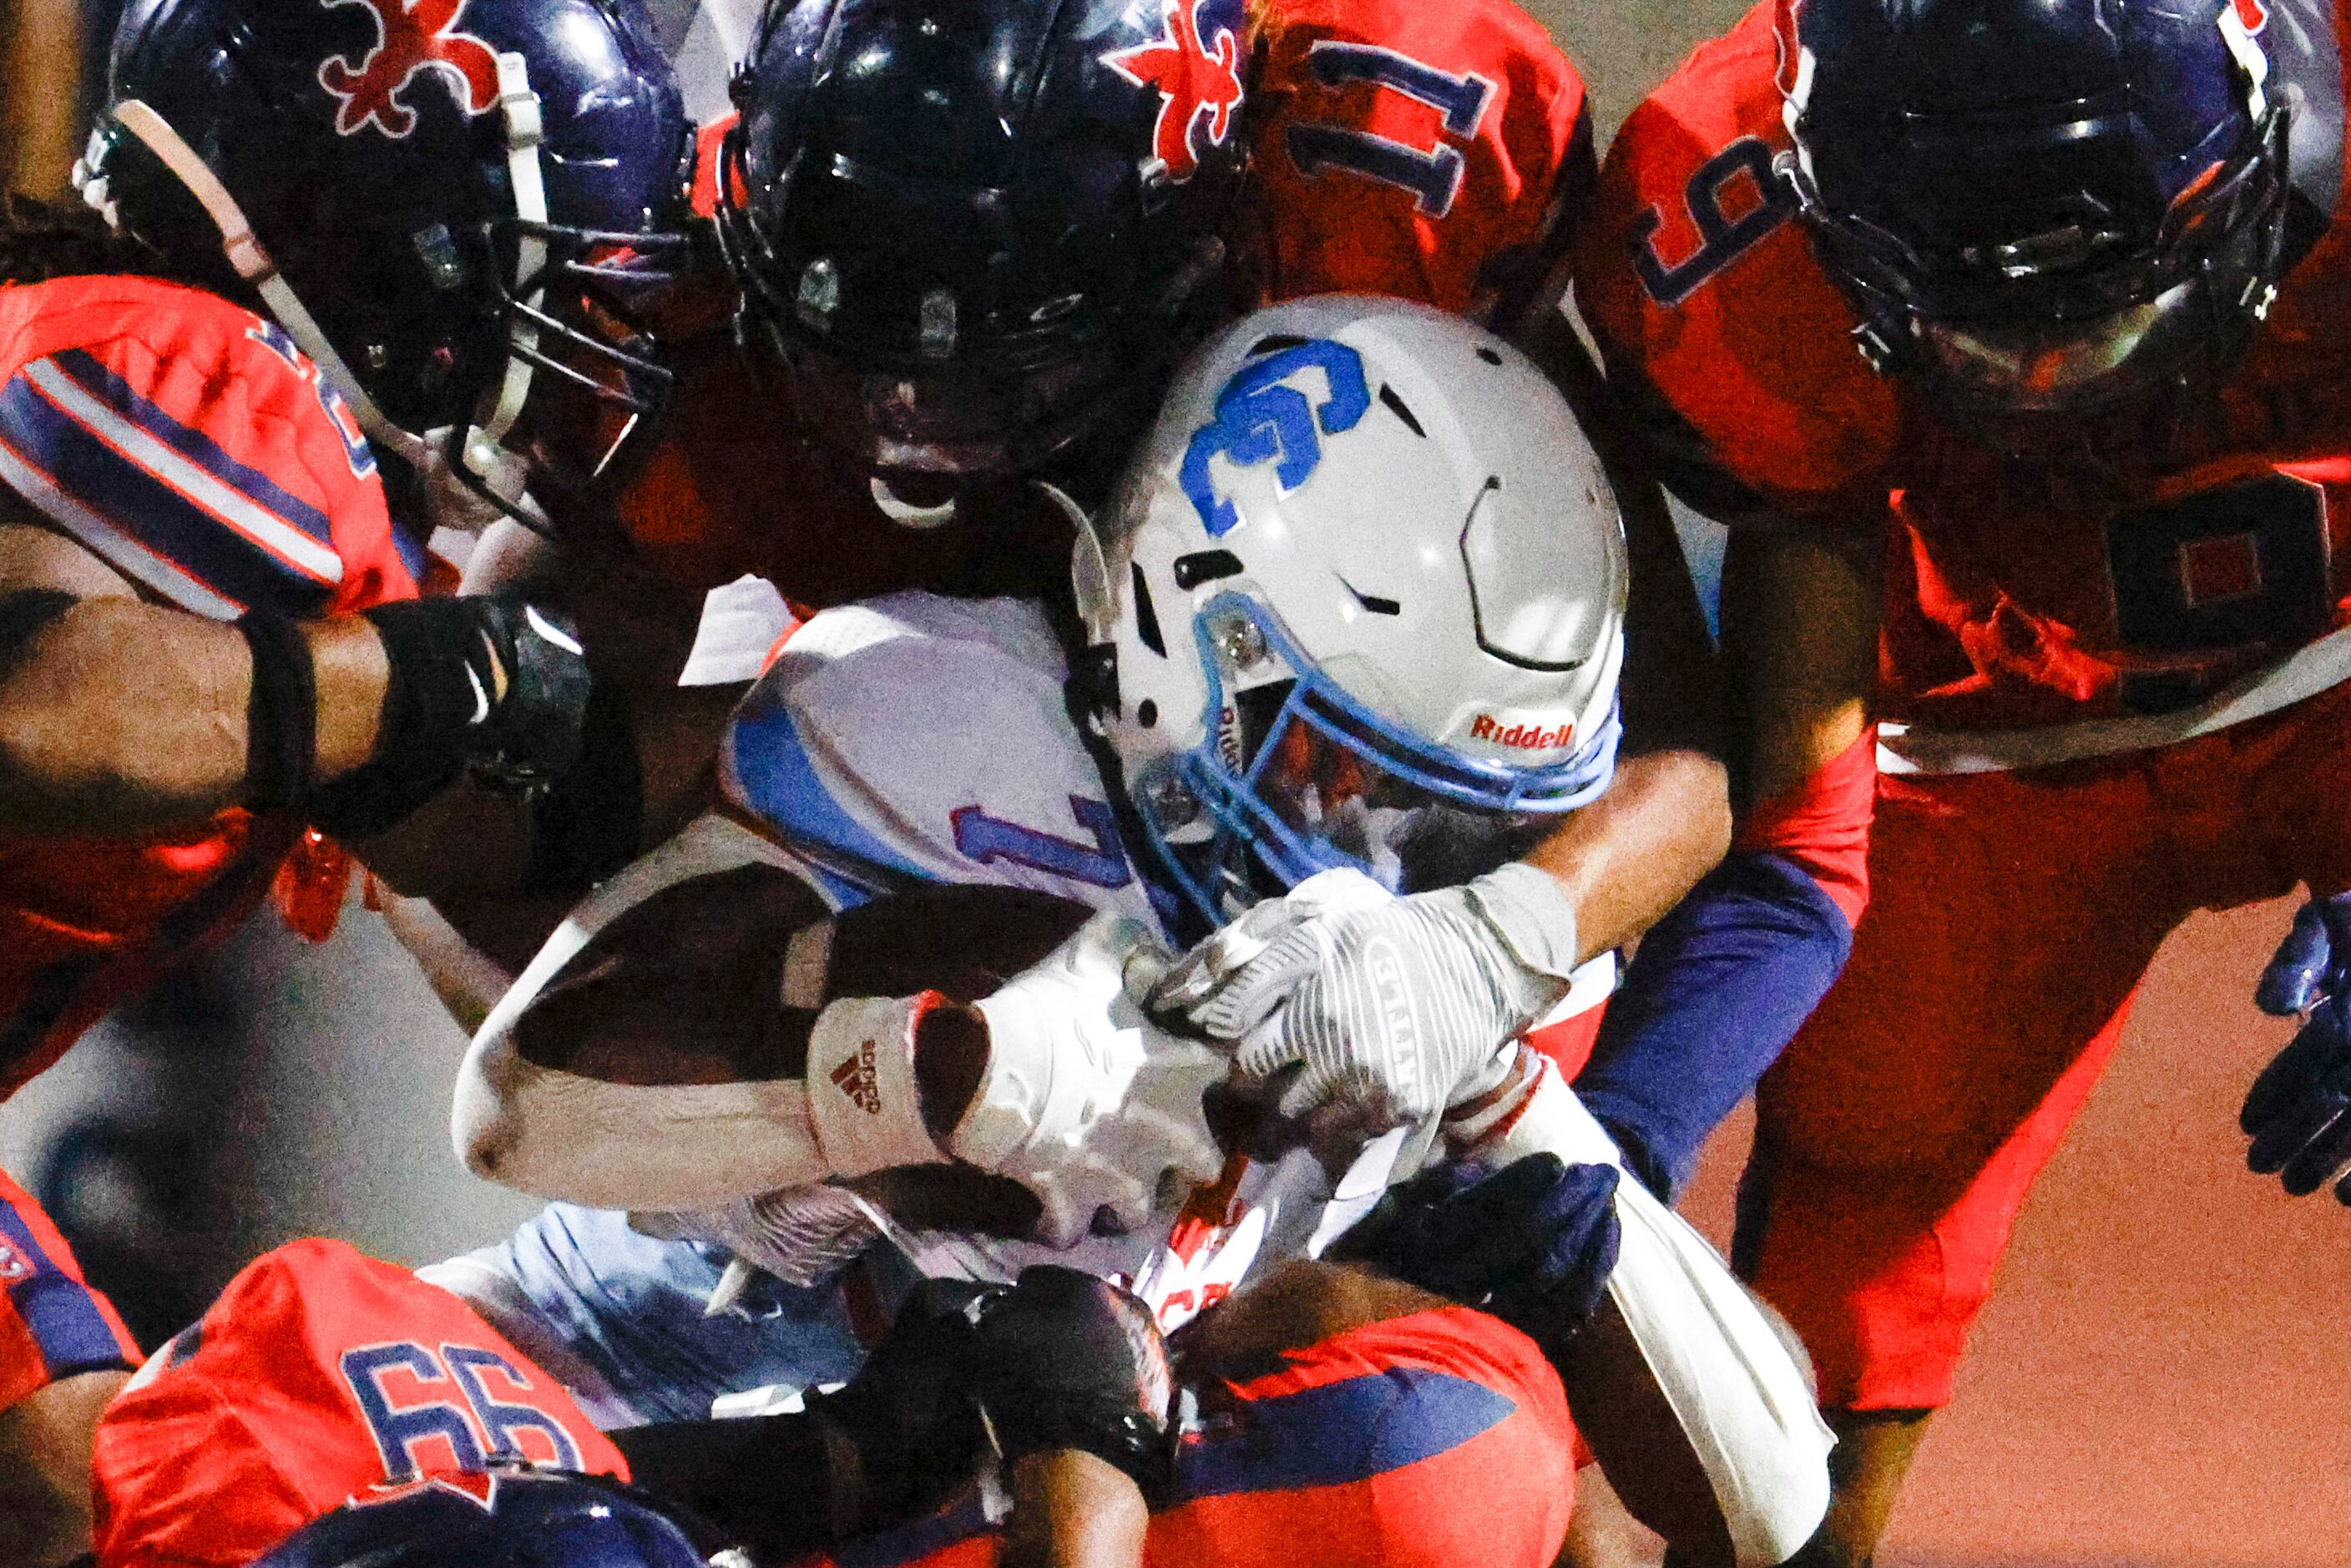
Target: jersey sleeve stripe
[
  {"x": 770, "y": 764},
  {"x": 72, "y": 1331},
  {"x": 160, "y": 575},
  {"x": 136, "y": 502},
  {"x": 114, "y": 392},
  {"x": 256, "y": 522},
  {"x": 1316, "y": 1436}
]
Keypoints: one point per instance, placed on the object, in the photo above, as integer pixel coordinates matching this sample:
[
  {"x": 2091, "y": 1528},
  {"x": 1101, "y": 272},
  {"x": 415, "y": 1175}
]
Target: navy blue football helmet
[
  {"x": 500, "y": 1518},
  {"x": 2040, "y": 206},
  {"x": 452, "y": 204},
  {"x": 971, "y": 232}
]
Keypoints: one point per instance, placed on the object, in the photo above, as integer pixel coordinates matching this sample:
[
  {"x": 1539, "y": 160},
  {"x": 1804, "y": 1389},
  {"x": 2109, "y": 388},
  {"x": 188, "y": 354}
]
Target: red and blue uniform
[
  {"x": 2031, "y": 607},
  {"x": 1440, "y": 1439},
  {"x": 52, "y": 1325},
  {"x": 321, "y": 1375},
  {"x": 1441, "y": 153},
  {"x": 317, "y": 1376},
  {"x": 186, "y": 443}
]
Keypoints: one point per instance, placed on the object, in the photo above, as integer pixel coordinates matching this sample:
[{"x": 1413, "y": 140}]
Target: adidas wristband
[{"x": 863, "y": 1099}]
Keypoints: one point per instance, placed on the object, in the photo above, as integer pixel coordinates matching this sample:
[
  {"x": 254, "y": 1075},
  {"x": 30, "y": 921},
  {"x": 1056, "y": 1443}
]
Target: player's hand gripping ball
[
  {"x": 1533, "y": 1243},
  {"x": 2298, "y": 1114},
  {"x": 1400, "y": 1007},
  {"x": 1086, "y": 1101}
]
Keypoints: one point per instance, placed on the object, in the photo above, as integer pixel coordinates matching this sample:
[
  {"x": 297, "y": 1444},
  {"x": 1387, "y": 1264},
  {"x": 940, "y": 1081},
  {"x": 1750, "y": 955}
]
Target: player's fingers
[
  {"x": 2322, "y": 1156},
  {"x": 1216, "y": 958},
  {"x": 1262, "y": 987},
  {"x": 2297, "y": 971},
  {"x": 1144, "y": 968},
  {"x": 2290, "y": 1076},
  {"x": 1309, "y": 1094},
  {"x": 1264, "y": 1051},
  {"x": 2292, "y": 1129}
]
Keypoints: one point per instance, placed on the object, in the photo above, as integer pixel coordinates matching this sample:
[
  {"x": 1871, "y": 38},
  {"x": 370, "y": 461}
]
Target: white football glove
[
  {"x": 1086, "y": 1102},
  {"x": 1397, "y": 1005}
]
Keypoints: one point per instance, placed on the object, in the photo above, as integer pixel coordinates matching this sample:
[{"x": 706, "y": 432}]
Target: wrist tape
[
  {"x": 281, "y": 713},
  {"x": 862, "y": 1097},
  {"x": 1532, "y": 916}
]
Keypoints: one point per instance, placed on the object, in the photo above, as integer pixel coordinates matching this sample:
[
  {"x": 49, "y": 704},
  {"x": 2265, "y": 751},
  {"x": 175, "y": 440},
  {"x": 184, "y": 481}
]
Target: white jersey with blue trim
[{"x": 915, "y": 739}]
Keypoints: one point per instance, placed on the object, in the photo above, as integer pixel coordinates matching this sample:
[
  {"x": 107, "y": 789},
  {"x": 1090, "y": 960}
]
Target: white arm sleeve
[
  {"x": 563, "y": 1135},
  {"x": 1741, "y": 1398}
]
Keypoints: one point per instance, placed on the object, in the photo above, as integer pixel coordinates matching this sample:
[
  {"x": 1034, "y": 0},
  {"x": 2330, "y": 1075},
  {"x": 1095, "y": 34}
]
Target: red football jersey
[
  {"x": 1433, "y": 152},
  {"x": 1365, "y": 1447},
  {"x": 317, "y": 1375},
  {"x": 2176, "y": 560},
  {"x": 188, "y": 444}
]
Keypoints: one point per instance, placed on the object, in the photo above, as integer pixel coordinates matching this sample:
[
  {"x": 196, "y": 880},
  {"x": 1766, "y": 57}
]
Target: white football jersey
[{"x": 916, "y": 740}]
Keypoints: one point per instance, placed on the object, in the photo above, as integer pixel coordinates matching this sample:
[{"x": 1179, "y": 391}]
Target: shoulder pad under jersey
[
  {"x": 1733, "y": 347},
  {"x": 317, "y": 1375},
  {"x": 191, "y": 446},
  {"x": 1437, "y": 152},
  {"x": 914, "y": 739}
]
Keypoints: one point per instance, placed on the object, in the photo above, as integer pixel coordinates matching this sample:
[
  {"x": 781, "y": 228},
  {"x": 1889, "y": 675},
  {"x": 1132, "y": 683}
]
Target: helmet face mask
[
  {"x": 2060, "y": 246},
  {"x": 962, "y": 256},
  {"x": 1401, "y": 657},
  {"x": 1296, "y": 775}
]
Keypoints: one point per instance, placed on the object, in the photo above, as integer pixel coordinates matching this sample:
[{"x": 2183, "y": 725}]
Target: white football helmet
[{"x": 1359, "y": 601}]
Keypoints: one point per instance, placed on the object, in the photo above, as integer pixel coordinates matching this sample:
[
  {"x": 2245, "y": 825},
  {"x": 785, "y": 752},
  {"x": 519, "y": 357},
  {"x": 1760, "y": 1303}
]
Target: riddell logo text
[
  {"x": 856, "y": 1078},
  {"x": 1525, "y": 737}
]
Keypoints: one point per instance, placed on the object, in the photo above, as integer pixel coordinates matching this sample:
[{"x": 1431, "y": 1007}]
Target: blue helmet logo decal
[{"x": 1263, "y": 418}]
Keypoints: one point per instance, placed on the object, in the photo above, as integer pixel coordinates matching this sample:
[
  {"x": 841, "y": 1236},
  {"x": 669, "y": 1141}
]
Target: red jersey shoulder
[
  {"x": 317, "y": 1375},
  {"x": 1705, "y": 296},
  {"x": 1438, "y": 152},
  {"x": 193, "y": 446}
]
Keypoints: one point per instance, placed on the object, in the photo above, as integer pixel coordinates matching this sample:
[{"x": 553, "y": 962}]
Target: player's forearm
[
  {"x": 1071, "y": 1510},
  {"x": 1799, "y": 615},
  {"x": 1630, "y": 856},
  {"x": 118, "y": 716},
  {"x": 656, "y": 1054}
]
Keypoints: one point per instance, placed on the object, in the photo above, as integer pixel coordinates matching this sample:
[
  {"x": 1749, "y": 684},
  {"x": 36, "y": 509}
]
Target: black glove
[
  {"x": 2298, "y": 1113},
  {"x": 492, "y": 682},
  {"x": 1533, "y": 1244},
  {"x": 910, "y": 1409},
  {"x": 532, "y": 696},
  {"x": 1064, "y": 1360}
]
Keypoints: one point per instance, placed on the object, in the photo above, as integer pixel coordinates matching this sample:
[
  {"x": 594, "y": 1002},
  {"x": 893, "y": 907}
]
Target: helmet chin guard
[{"x": 1359, "y": 601}]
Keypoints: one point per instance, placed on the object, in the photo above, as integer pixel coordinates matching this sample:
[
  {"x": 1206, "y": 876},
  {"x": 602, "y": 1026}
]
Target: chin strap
[
  {"x": 252, "y": 264},
  {"x": 524, "y": 133}
]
